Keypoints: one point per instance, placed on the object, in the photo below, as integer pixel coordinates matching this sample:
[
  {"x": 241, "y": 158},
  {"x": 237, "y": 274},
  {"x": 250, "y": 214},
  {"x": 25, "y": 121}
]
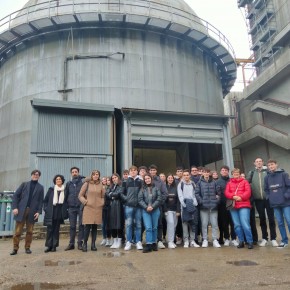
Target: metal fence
[{"x": 7, "y": 223}]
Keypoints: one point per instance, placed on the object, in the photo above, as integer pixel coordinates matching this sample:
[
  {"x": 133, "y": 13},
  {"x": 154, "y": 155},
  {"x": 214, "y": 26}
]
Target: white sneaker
[
  {"x": 139, "y": 246},
  {"x": 171, "y": 245},
  {"x": 178, "y": 241},
  {"x": 204, "y": 244},
  {"x": 128, "y": 246},
  {"x": 194, "y": 244},
  {"x": 186, "y": 244},
  {"x": 274, "y": 243},
  {"x": 227, "y": 243},
  {"x": 160, "y": 245},
  {"x": 108, "y": 243},
  {"x": 263, "y": 243},
  {"x": 118, "y": 243},
  {"x": 235, "y": 243},
  {"x": 103, "y": 242},
  {"x": 216, "y": 244},
  {"x": 282, "y": 245},
  {"x": 115, "y": 243}
]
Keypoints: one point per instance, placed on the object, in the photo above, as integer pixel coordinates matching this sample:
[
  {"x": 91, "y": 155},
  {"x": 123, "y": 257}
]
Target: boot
[
  {"x": 241, "y": 245},
  {"x": 114, "y": 246},
  {"x": 250, "y": 246},
  {"x": 154, "y": 247},
  {"x": 147, "y": 248},
  {"x": 119, "y": 243},
  {"x": 94, "y": 237},
  {"x": 86, "y": 237}
]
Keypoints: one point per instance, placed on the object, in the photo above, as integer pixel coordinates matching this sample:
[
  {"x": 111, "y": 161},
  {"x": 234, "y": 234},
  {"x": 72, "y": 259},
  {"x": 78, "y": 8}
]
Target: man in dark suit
[{"x": 27, "y": 206}]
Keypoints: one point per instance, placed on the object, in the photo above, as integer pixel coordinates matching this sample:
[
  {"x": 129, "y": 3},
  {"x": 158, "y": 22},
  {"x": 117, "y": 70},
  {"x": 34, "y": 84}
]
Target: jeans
[
  {"x": 73, "y": 214},
  {"x": 104, "y": 223},
  {"x": 171, "y": 220},
  {"x": 280, "y": 214},
  {"x": 133, "y": 216},
  {"x": 207, "y": 216},
  {"x": 261, "y": 206},
  {"x": 150, "y": 220},
  {"x": 241, "y": 219}
]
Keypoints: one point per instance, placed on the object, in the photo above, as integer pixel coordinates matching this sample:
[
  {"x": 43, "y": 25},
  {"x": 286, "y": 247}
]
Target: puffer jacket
[
  {"x": 240, "y": 187},
  {"x": 207, "y": 194},
  {"x": 144, "y": 198},
  {"x": 277, "y": 188},
  {"x": 72, "y": 190},
  {"x": 131, "y": 189}
]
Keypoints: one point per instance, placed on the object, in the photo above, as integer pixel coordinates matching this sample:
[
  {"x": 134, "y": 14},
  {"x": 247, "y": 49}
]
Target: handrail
[{"x": 7, "y": 22}]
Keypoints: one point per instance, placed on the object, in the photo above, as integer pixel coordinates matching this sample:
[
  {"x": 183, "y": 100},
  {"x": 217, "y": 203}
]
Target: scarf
[{"x": 56, "y": 199}]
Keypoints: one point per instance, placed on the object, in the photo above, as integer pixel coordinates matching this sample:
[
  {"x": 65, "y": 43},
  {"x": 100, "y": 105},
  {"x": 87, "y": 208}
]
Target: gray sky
[{"x": 223, "y": 14}]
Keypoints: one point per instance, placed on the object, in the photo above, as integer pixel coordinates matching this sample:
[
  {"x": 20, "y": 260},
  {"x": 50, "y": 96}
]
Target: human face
[
  {"x": 215, "y": 175},
  {"x": 74, "y": 173},
  {"x": 125, "y": 175},
  {"x": 272, "y": 166},
  {"x": 224, "y": 172},
  {"x": 133, "y": 172},
  {"x": 179, "y": 173},
  {"x": 170, "y": 179},
  {"x": 58, "y": 181},
  {"x": 115, "y": 179},
  {"x": 104, "y": 180},
  {"x": 108, "y": 181},
  {"x": 243, "y": 175},
  {"x": 148, "y": 180},
  {"x": 95, "y": 175},
  {"x": 206, "y": 175},
  {"x": 258, "y": 163},
  {"x": 186, "y": 176},
  {"x": 153, "y": 171},
  {"x": 194, "y": 171},
  {"x": 162, "y": 177},
  {"x": 142, "y": 172},
  {"x": 35, "y": 176},
  {"x": 236, "y": 174}
]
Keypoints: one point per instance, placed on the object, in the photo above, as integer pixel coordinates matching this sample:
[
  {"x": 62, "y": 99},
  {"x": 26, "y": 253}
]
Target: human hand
[
  {"x": 178, "y": 214},
  {"x": 36, "y": 216},
  {"x": 15, "y": 211}
]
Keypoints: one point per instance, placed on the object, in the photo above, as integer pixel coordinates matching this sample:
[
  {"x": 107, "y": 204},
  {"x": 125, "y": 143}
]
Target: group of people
[{"x": 178, "y": 208}]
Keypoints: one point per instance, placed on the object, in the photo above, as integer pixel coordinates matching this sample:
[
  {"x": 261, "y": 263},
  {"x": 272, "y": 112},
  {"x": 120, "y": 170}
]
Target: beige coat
[{"x": 93, "y": 202}]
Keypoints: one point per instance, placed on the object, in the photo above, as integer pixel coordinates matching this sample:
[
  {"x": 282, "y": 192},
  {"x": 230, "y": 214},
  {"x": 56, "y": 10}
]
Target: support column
[{"x": 227, "y": 147}]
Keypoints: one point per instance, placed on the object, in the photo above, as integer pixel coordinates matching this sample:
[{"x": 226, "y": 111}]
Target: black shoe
[
  {"x": 28, "y": 251},
  {"x": 154, "y": 247},
  {"x": 47, "y": 250},
  {"x": 84, "y": 248},
  {"x": 250, "y": 246},
  {"x": 147, "y": 248},
  {"x": 14, "y": 252},
  {"x": 93, "y": 247},
  {"x": 241, "y": 245},
  {"x": 53, "y": 249},
  {"x": 80, "y": 246},
  {"x": 255, "y": 243},
  {"x": 69, "y": 247}
]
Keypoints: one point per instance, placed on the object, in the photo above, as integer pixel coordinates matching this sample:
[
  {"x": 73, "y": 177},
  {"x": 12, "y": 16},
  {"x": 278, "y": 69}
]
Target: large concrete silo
[{"x": 136, "y": 80}]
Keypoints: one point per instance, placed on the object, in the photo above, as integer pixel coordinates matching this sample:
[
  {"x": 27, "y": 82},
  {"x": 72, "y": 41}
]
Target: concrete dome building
[{"x": 107, "y": 83}]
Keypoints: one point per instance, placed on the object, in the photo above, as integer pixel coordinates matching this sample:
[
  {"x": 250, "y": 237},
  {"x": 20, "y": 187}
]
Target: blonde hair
[{"x": 236, "y": 170}]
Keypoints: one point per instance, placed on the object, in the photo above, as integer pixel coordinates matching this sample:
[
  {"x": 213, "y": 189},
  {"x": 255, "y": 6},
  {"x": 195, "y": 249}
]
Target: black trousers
[
  {"x": 52, "y": 234},
  {"x": 75, "y": 214},
  {"x": 262, "y": 206},
  {"x": 225, "y": 223},
  {"x": 253, "y": 223}
]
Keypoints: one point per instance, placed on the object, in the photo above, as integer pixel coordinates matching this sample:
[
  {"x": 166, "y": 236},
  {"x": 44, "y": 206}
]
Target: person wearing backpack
[{"x": 256, "y": 179}]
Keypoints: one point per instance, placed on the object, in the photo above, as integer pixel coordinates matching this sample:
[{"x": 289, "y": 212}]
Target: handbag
[
  {"x": 230, "y": 203},
  {"x": 85, "y": 196}
]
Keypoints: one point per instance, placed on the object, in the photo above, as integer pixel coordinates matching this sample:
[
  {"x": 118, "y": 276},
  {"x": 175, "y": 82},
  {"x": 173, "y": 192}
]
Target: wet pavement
[{"x": 209, "y": 268}]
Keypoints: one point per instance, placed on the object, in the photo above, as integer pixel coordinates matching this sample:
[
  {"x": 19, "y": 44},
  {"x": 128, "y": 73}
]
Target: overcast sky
[{"x": 223, "y": 14}]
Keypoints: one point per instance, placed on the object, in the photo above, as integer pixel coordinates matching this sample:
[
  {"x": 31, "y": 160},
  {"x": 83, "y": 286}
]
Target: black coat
[
  {"x": 20, "y": 199},
  {"x": 115, "y": 216},
  {"x": 143, "y": 197},
  {"x": 49, "y": 208}
]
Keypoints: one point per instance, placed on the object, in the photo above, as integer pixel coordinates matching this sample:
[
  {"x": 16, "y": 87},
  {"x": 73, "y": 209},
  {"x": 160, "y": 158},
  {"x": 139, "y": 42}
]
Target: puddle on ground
[
  {"x": 50, "y": 263},
  {"x": 243, "y": 263},
  {"x": 113, "y": 254},
  {"x": 36, "y": 286},
  {"x": 191, "y": 270}
]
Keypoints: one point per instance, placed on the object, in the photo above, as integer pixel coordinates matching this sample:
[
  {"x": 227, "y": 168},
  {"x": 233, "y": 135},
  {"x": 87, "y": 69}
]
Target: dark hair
[
  {"x": 193, "y": 166},
  {"x": 225, "y": 167},
  {"x": 186, "y": 170},
  {"x": 258, "y": 158},
  {"x": 206, "y": 169},
  {"x": 271, "y": 161},
  {"x": 145, "y": 184},
  {"x": 133, "y": 167},
  {"x": 143, "y": 167},
  {"x": 125, "y": 171},
  {"x": 74, "y": 167},
  {"x": 61, "y": 177},
  {"x": 96, "y": 171},
  {"x": 173, "y": 183},
  {"x": 152, "y": 166},
  {"x": 115, "y": 174},
  {"x": 35, "y": 171},
  {"x": 179, "y": 168}
]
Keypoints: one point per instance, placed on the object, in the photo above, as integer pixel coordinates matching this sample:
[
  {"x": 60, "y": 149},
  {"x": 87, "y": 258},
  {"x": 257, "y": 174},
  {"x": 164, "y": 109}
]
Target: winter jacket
[
  {"x": 240, "y": 187},
  {"x": 72, "y": 190},
  {"x": 277, "y": 188},
  {"x": 149, "y": 195},
  {"x": 207, "y": 194},
  {"x": 131, "y": 189},
  {"x": 222, "y": 183},
  {"x": 256, "y": 179},
  {"x": 20, "y": 199},
  {"x": 172, "y": 203},
  {"x": 49, "y": 209},
  {"x": 157, "y": 182},
  {"x": 115, "y": 217}
]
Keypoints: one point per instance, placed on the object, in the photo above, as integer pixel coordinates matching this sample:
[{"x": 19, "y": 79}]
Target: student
[{"x": 277, "y": 189}]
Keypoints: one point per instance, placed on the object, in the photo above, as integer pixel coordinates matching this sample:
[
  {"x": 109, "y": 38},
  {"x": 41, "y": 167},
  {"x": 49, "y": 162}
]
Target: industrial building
[
  {"x": 109, "y": 83},
  {"x": 262, "y": 111}
]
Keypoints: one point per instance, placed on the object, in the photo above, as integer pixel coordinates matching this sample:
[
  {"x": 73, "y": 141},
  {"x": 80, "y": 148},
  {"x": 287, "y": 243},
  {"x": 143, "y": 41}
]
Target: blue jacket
[
  {"x": 277, "y": 188},
  {"x": 72, "y": 190}
]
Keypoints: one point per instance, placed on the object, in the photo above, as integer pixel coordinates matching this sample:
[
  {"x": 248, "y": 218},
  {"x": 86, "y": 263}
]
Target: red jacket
[{"x": 244, "y": 191}]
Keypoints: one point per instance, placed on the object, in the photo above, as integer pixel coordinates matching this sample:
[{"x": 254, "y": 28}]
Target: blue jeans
[
  {"x": 150, "y": 220},
  {"x": 241, "y": 219},
  {"x": 74, "y": 214},
  {"x": 280, "y": 214},
  {"x": 133, "y": 216}
]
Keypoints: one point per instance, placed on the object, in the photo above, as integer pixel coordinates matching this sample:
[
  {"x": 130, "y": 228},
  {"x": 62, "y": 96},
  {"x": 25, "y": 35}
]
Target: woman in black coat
[
  {"x": 115, "y": 218},
  {"x": 55, "y": 210}
]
